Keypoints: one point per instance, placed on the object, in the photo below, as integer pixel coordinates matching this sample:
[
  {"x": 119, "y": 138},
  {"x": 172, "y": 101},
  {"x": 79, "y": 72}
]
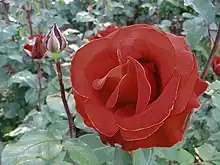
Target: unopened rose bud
[{"x": 55, "y": 41}]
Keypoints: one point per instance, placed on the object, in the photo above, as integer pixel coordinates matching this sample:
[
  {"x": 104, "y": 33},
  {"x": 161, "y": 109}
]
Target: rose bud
[
  {"x": 108, "y": 30},
  {"x": 36, "y": 49},
  {"x": 136, "y": 86},
  {"x": 216, "y": 65},
  {"x": 55, "y": 41}
]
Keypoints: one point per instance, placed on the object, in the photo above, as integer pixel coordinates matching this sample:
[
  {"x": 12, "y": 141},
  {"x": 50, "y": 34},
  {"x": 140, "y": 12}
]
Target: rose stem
[
  {"x": 63, "y": 96},
  {"x": 205, "y": 71},
  {"x": 40, "y": 87},
  {"x": 212, "y": 54},
  {"x": 28, "y": 17}
]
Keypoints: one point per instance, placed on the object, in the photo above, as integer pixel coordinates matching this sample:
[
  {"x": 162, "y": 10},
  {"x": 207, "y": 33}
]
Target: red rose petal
[
  {"x": 151, "y": 77},
  {"x": 193, "y": 102},
  {"x": 187, "y": 68},
  {"x": 167, "y": 135},
  {"x": 132, "y": 47},
  {"x": 143, "y": 85},
  {"x": 163, "y": 53},
  {"x": 80, "y": 101},
  {"x": 83, "y": 58},
  {"x": 179, "y": 42},
  {"x": 139, "y": 135},
  {"x": 161, "y": 108},
  {"x": 114, "y": 74},
  {"x": 98, "y": 115},
  {"x": 200, "y": 86},
  {"x": 28, "y": 49}
]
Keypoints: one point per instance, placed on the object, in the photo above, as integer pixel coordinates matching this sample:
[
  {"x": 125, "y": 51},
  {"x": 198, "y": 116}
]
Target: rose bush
[{"x": 136, "y": 86}]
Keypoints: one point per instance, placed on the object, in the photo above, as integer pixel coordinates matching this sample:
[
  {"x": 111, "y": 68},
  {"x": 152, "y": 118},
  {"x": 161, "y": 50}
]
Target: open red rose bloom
[
  {"x": 136, "y": 86},
  {"x": 36, "y": 49}
]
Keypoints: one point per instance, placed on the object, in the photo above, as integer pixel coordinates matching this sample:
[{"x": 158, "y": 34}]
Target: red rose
[
  {"x": 136, "y": 86},
  {"x": 216, "y": 65},
  {"x": 35, "y": 50},
  {"x": 108, "y": 30}
]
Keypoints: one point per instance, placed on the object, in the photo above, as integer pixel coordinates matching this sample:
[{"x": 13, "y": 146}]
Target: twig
[
  {"x": 28, "y": 17},
  {"x": 4, "y": 11},
  {"x": 212, "y": 54},
  {"x": 204, "y": 73},
  {"x": 63, "y": 96},
  {"x": 40, "y": 87}
]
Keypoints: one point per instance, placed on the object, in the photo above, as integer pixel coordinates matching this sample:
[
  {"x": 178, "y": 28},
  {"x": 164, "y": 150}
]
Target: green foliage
[{"x": 32, "y": 137}]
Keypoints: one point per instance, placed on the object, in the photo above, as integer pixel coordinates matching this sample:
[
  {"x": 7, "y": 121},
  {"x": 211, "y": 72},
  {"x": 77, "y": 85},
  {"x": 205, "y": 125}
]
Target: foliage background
[{"x": 29, "y": 137}]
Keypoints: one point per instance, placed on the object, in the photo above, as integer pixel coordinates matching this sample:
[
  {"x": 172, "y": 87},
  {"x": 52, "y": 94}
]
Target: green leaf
[
  {"x": 206, "y": 9},
  {"x": 80, "y": 152},
  {"x": 16, "y": 57},
  {"x": 103, "y": 152},
  {"x": 216, "y": 99},
  {"x": 195, "y": 35},
  {"x": 143, "y": 156},
  {"x": 56, "y": 104},
  {"x": 215, "y": 136},
  {"x": 3, "y": 60},
  {"x": 175, "y": 153},
  {"x": 60, "y": 159},
  {"x": 11, "y": 110},
  {"x": 78, "y": 121},
  {"x": 24, "y": 78},
  {"x": 31, "y": 96},
  {"x": 32, "y": 147},
  {"x": 92, "y": 140},
  {"x": 206, "y": 151},
  {"x": 84, "y": 16},
  {"x": 121, "y": 157}
]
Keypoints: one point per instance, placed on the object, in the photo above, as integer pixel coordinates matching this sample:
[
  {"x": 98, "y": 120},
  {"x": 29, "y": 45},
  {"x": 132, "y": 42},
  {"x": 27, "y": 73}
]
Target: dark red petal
[
  {"x": 123, "y": 93},
  {"x": 143, "y": 85},
  {"x": 131, "y": 47},
  {"x": 28, "y": 49},
  {"x": 101, "y": 118},
  {"x": 170, "y": 133},
  {"x": 187, "y": 68},
  {"x": 139, "y": 135},
  {"x": 161, "y": 51},
  {"x": 179, "y": 42},
  {"x": 193, "y": 102},
  {"x": 155, "y": 113},
  {"x": 200, "y": 86},
  {"x": 150, "y": 72},
  {"x": 114, "y": 74},
  {"x": 80, "y": 101},
  {"x": 38, "y": 49},
  {"x": 83, "y": 61}
]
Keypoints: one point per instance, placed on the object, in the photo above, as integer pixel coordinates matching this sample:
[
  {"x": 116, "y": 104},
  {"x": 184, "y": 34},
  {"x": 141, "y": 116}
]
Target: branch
[
  {"x": 28, "y": 17},
  {"x": 4, "y": 11},
  {"x": 63, "y": 96},
  {"x": 40, "y": 87},
  {"x": 212, "y": 54}
]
